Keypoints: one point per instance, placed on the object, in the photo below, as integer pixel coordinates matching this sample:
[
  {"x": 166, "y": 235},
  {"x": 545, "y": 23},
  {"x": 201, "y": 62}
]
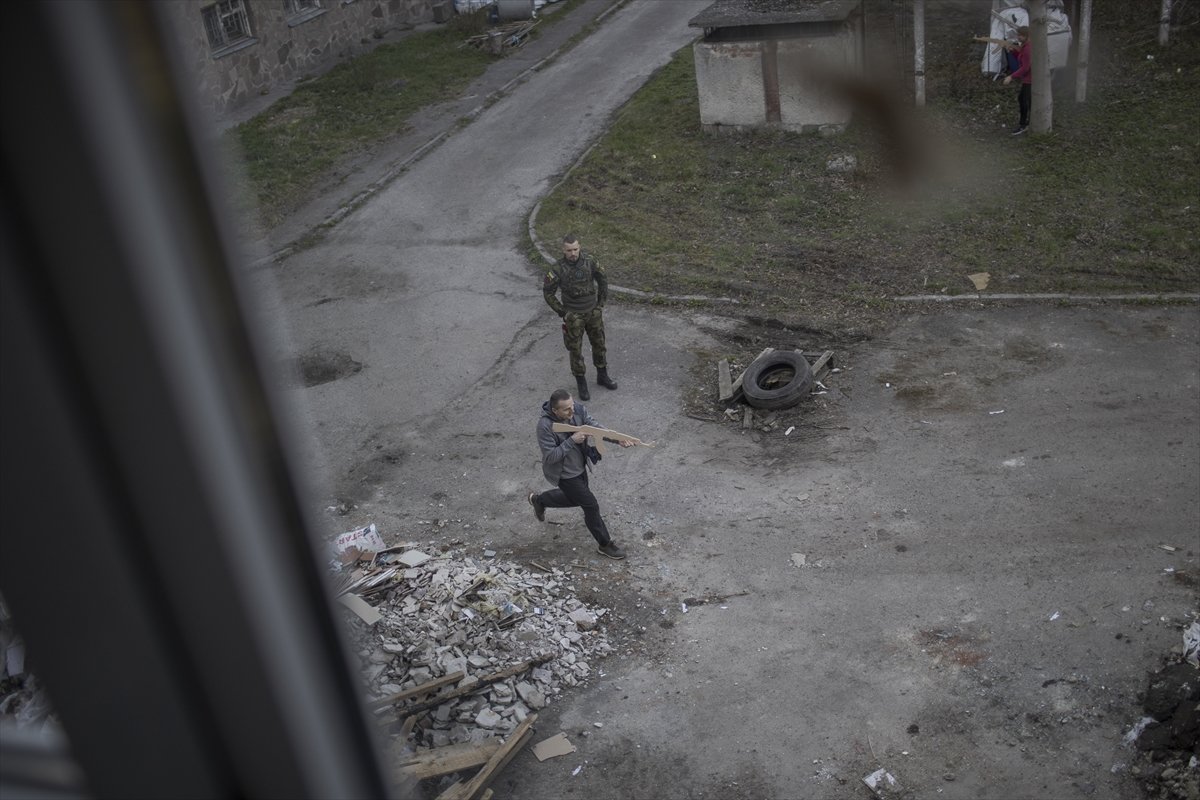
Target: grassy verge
[
  {"x": 298, "y": 142},
  {"x": 1108, "y": 202}
]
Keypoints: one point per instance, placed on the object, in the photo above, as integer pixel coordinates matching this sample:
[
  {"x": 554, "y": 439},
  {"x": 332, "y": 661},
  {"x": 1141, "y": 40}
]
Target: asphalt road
[{"x": 980, "y": 511}]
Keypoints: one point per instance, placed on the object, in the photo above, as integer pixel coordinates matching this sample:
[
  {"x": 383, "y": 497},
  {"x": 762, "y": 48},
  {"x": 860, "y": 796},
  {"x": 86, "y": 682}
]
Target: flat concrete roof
[{"x": 738, "y": 13}]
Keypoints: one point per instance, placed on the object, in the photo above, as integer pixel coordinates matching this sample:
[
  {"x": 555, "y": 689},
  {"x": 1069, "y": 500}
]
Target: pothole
[{"x": 321, "y": 367}]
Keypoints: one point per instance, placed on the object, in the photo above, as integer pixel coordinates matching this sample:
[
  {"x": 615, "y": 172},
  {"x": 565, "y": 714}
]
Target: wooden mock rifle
[{"x": 598, "y": 435}]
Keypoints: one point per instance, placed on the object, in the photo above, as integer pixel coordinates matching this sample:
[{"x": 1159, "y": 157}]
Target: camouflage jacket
[{"x": 583, "y": 285}]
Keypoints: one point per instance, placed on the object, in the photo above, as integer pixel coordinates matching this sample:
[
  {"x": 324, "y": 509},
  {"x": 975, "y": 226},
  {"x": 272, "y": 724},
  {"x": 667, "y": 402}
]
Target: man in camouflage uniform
[{"x": 584, "y": 289}]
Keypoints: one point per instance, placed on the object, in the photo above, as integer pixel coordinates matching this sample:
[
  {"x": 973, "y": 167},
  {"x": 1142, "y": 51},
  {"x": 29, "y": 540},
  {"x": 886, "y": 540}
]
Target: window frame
[
  {"x": 213, "y": 19},
  {"x": 298, "y": 12}
]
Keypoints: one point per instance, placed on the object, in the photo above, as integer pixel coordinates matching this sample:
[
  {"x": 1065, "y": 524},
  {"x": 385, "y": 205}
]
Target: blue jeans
[{"x": 572, "y": 492}]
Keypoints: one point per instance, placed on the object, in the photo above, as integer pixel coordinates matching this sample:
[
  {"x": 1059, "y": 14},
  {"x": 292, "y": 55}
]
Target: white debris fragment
[
  {"x": 881, "y": 782},
  {"x": 1054, "y": 616},
  {"x": 788, "y": 432},
  {"x": 1136, "y": 731},
  {"x": 1191, "y": 644},
  {"x": 577, "y": 770},
  {"x": 414, "y": 558}
]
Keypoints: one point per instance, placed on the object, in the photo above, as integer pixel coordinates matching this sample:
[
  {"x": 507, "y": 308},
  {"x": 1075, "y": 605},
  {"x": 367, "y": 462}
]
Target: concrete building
[
  {"x": 776, "y": 62},
  {"x": 239, "y": 49}
]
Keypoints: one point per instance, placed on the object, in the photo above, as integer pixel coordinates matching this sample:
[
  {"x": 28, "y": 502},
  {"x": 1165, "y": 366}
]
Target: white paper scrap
[{"x": 365, "y": 538}]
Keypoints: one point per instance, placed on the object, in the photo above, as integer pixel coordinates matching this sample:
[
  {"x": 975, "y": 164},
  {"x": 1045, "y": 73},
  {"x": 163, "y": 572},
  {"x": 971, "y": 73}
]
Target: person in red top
[{"x": 1025, "y": 73}]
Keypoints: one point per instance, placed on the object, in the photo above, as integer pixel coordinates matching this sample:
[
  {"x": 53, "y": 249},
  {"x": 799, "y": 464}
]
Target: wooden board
[
  {"x": 474, "y": 787},
  {"x": 737, "y": 385},
  {"x": 821, "y": 367},
  {"x": 724, "y": 382},
  {"x": 598, "y": 434},
  {"x": 507, "y": 672},
  {"x": 447, "y": 760},
  {"x": 417, "y": 691}
]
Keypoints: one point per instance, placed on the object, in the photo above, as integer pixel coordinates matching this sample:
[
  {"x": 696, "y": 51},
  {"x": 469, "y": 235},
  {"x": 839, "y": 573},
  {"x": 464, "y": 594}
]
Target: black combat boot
[
  {"x": 603, "y": 379},
  {"x": 581, "y": 384}
]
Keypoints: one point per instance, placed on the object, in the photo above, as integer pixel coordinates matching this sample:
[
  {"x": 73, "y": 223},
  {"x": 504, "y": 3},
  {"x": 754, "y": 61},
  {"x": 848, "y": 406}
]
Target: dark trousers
[
  {"x": 1024, "y": 100},
  {"x": 572, "y": 492}
]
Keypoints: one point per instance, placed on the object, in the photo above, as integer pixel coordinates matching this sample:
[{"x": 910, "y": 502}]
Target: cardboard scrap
[
  {"x": 366, "y": 612},
  {"x": 980, "y": 279},
  {"x": 553, "y": 747}
]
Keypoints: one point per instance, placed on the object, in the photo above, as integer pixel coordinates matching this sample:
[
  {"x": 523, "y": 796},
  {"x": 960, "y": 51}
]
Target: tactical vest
[{"x": 577, "y": 284}]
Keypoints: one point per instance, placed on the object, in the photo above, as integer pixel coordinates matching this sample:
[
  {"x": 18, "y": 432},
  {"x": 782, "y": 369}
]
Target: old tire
[{"x": 757, "y": 382}]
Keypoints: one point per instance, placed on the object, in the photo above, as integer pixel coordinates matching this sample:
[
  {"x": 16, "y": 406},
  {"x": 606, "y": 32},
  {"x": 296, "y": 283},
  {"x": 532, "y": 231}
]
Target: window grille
[{"x": 226, "y": 23}]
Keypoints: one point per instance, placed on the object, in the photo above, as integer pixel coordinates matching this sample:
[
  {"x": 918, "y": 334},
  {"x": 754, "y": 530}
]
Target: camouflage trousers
[{"x": 575, "y": 324}]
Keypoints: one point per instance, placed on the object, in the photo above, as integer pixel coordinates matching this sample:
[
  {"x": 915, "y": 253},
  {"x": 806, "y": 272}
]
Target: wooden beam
[
  {"x": 474, "y": 787},
  {"x": 417, "y": 691},
  {"x": 822, "y": 365},
  {"x": 508, "y": 672},
  {"x": 724, "y": 381},
  {"x": 447, "y": 760},
  {"x": 737, "y": 385}
]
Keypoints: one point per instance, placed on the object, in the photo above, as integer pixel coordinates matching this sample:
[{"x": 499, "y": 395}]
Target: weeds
[{"x": 1107, "y": 203}]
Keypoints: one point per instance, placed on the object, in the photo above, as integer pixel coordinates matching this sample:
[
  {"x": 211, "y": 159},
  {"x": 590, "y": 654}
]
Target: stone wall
[{"x": 281, "y": 52}]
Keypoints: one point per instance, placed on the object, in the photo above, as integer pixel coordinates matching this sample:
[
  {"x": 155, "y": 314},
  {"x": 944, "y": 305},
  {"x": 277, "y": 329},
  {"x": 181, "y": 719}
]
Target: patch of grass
[
  {"x": 1108, "y": 202},
  {"x": 293, "y": 145}
]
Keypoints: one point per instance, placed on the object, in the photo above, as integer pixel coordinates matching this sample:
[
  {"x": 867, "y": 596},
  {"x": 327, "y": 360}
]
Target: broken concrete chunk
[
  {"x": 414, "y": 558},
  {"x": 583, "y": 619},
  {"x": 532, "y": 697},
  {"x": 487, "y": 719}
]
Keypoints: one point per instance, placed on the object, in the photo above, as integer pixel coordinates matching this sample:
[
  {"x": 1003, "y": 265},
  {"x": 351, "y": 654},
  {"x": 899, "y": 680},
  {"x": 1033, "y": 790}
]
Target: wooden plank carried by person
[{"x": 598, "y": 434}]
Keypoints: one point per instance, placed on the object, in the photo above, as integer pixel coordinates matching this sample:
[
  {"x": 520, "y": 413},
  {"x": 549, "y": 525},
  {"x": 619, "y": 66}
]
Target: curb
[
  {"x": 942, "y": 298},
  {"x": 541, "y": 248}
]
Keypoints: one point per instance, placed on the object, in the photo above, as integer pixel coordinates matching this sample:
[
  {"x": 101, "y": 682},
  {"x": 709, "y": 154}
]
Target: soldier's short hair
[
  {"x": 557, "y": 396},
  {"x": 570, "y": 238}
]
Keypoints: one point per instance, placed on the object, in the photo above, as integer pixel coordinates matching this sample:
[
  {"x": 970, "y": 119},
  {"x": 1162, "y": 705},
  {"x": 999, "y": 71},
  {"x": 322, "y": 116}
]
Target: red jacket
[{"x": 1025, "y": 62}]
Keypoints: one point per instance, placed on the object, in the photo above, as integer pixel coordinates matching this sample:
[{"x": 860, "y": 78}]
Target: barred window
[
  {"x": 226, "y": 23},
  {"x": 298, "y": 11},
  {"x": 294, "y": 7}
]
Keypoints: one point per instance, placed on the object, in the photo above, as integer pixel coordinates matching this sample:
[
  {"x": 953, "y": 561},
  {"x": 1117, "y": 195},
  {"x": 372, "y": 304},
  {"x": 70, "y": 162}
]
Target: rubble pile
[
  {"x": 22, "y": 697},
  {"x": 453, "y": 614}
]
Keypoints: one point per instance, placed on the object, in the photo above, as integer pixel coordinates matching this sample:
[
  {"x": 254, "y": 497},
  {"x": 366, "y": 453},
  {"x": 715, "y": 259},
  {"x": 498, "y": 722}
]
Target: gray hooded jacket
[{"x": 561, "y": 457}]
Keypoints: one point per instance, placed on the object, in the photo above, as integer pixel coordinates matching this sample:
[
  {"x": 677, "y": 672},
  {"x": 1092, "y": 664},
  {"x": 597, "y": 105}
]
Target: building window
[
  {"x": 227, "y": 25},
  {"x": 298, "y": 11}
]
